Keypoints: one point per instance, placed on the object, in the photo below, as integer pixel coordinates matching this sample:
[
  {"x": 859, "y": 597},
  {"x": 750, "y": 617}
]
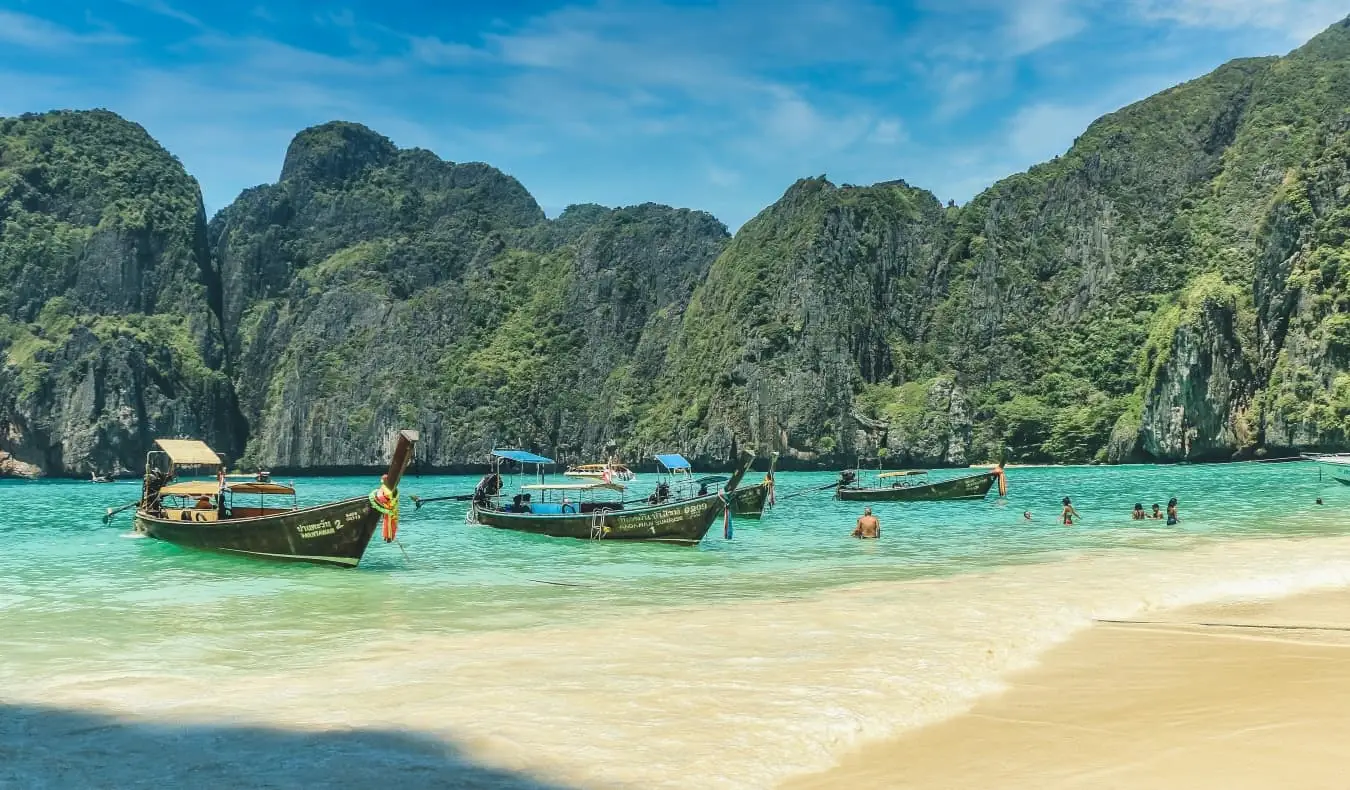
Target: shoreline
[
  {"x": 791, "y": 683},
  {"x": 1236, "y": 694}
]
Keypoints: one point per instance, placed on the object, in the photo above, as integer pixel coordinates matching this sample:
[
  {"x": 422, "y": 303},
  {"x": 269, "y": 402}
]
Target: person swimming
[
  {"x": 1157, "y": 512},
  {"x": 868, "y": 525},
  {"x": 1069, "y": 513},
  {"x": 1138, "y": 513},
  {"x": 1026, "y": 515},
  {"x": 1172, "y": 517}
]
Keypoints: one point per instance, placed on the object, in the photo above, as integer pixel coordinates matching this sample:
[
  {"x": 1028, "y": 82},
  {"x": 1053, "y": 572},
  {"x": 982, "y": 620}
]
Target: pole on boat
[
  {"x": 108, "y": 516},
  {"x": 418, "y": 501}
]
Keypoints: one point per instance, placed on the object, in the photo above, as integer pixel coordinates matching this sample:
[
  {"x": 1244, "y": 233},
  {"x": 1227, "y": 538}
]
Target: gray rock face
[
  {"x": 107, "y": 331},
  {"x": 373, "y": 288},
  {"x": 1197, "y": 405}
]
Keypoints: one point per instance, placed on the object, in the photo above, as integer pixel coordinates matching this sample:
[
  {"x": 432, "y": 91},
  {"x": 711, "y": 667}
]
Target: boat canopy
[
  {"x": 673, "y": 461},
  {"x": 599, "y": 484},
  {"x": 212, "y": 487},
  {"x": 522, "y": 456},
  {"x": 905, "y": 473},
  {"x": 189, "y": 452}
]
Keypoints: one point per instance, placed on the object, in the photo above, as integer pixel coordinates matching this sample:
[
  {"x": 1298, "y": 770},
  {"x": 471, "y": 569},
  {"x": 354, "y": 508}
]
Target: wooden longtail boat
[
  {"x": 611, "y": 471},
  {"x": 749, "y": 501},
  {"x": 221, "y": 515},
  {"x": 914, "y": 486},
  {"x": 1334, "y": 465},
  {"x": 599, "y": 512}
]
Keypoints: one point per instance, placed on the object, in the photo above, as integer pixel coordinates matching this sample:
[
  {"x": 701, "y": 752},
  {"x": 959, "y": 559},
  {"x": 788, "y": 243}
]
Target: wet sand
[{"x": 1187, "y": 700}]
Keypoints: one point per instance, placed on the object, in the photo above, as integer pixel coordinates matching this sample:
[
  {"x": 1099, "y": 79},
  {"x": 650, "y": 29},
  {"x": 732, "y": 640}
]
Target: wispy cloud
[
  {"x": 165, "y": 10},
  {"x": 22, "y": 30},
  {"x": 1297, "y": 19},
  {"x": 1035, "y": 24},
  {"x": 718, "y": 104}
]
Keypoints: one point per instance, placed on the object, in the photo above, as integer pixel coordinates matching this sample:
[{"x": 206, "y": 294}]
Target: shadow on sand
[{"x": 56, "y": 748}]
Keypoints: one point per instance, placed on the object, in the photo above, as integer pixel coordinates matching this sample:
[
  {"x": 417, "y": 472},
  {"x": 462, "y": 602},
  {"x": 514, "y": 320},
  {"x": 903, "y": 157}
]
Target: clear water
[{"x": 959, "y": 592}]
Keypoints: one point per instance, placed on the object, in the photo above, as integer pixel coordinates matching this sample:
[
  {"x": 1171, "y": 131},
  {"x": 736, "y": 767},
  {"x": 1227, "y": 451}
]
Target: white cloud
[
  {"x": 434, "y": 52},
  {"x": 165, "y": 10},
  {"x": 888, "y": 131},
  {"x": 1035, "y": 24},
  {"x": 1044, "y": 130},
  {"x": 32, "y": 32},
  {"x": 1297, "y": 19},
  {"x": 722, "y": 177}
]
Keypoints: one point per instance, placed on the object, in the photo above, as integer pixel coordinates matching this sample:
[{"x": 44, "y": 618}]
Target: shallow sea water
[{"x": 733, "y": 664}]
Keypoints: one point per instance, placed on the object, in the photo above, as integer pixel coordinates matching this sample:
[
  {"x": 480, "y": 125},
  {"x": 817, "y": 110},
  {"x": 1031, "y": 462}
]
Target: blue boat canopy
[
  {"x": 522, "y": 456},
  {"x": 673, "y": 461}
]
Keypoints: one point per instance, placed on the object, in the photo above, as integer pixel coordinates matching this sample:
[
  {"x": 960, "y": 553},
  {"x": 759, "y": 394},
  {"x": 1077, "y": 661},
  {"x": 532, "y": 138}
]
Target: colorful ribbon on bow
[
  {"x": 385, "y": 501},
  {"x": 1002, "y": 480},
  {"x": 726, "y": 514}
]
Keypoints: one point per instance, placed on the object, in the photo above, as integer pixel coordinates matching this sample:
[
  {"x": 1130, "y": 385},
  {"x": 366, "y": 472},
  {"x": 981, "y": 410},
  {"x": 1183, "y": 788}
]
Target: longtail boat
[
  {"x": 610, "y": 472},
  {"x": 913, "y": 485},
  {"x": 222, "y": 514},
  {"x": 594, "y": 510},
  {"x": 676, "y": 480},
  {"x": 1334, "y": 465},
  {"x": 749, "y": 501}
]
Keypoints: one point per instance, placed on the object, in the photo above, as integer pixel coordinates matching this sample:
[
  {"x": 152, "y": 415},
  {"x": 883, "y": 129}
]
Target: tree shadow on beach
[{"x": 44, "y": 747}]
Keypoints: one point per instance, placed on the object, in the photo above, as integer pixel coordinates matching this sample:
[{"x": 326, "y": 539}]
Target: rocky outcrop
[
  {"x": 373, "y": 287},
  {"x": 1197, "y": 401},
  {"x": 107, "y": 329},
  {"x": 1176, "y": 285}
]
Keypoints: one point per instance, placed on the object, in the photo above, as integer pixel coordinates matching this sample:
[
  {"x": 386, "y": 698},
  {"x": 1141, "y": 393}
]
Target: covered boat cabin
[
  {"x": 676, "y": 480},
  {"x": 559, "y": 498},
  {"x": 906, "y": 478},
  {"x": 212, "y": 499}
]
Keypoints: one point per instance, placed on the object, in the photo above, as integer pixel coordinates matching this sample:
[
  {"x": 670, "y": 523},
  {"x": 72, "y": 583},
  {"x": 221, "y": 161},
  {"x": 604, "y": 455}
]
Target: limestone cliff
[{"x": 107, "y": 329}]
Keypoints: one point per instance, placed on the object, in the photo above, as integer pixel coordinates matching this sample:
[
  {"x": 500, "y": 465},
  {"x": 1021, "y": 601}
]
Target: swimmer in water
[
  {"x": 1172, "y": 518},
  {"x": 1138, "y": 513},
  {"x": 868, "y": 525},
  {"x": 1157, "y": 512},
  {"x": 1026, "y": 515},
  {"x": 1069, "y": 514}
]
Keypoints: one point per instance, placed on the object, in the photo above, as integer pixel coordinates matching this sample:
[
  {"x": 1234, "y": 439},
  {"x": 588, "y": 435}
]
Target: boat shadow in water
[{"x": 60, "y": 748}]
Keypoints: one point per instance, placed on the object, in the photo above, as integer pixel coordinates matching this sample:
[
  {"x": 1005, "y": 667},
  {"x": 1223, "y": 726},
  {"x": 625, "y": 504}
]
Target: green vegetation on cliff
[
  {"x": 1176, "y": 285},
  {"x": 106, "y": 327}
]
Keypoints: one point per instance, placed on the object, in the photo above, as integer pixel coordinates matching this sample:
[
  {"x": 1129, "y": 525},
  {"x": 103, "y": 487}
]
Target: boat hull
[
  {"x": 684, "y": 523},
  {"x": 970, "y": 487},
  {"x": 336, "y": 533},
  {"x": 748, "y": 502}
]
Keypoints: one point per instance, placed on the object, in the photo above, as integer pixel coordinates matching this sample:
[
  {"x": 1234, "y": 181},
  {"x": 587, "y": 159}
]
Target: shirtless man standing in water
[{"x": 868, "y": 526}]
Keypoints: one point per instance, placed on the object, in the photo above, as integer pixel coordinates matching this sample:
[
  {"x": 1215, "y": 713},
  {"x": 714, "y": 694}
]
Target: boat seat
[{"x": 191, "y": 514}]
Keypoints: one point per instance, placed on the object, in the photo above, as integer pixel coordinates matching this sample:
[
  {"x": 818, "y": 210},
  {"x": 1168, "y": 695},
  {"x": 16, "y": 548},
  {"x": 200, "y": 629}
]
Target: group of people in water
[
  {"x": 870, "y": 527},
  {"x": 1138, "y": 513}
]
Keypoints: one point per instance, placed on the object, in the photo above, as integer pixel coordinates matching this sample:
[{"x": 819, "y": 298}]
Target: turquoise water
[
  {"x": 64, "y": 570},
  {"x": 490, "y": 624}
]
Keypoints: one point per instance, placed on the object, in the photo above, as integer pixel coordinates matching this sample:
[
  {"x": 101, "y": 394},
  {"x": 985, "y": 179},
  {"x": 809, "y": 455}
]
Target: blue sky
[{"x": 698, "y": 103}]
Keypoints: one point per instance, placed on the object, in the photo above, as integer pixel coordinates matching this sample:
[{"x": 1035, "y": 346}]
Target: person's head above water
[
  {"x": 1026, "y": 514},
  {"x": 1172, "y": 502},
  {"x": 1066, "y": 500},
  {"x": 1156, "y": 505},
  {"x": 867, "y": 511},
  {"x": 1138, "y": 505}
]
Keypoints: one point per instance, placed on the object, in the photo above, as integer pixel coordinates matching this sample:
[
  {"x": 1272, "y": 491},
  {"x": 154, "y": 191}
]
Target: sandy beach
[{"x": 1207, "y": 696}]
